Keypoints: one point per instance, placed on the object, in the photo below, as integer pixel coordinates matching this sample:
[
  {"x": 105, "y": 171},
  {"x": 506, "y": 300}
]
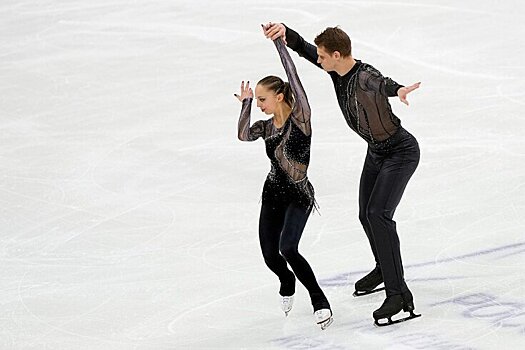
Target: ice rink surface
[{"x": 129, "y": 209}]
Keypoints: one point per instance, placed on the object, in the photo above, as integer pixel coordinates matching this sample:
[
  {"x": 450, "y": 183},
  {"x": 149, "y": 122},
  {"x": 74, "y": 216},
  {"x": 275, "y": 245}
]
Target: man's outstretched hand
[{"x": 404, "y": 91}]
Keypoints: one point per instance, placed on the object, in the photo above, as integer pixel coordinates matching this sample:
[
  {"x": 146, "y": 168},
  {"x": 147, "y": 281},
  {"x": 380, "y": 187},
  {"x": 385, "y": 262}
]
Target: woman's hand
[
  {"x": 404, "y": 91},
  {"x": 246, "y": 91}
]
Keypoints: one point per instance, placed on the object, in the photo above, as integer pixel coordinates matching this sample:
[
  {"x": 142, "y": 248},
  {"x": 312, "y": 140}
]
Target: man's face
[{"x": 327, "y": 60}]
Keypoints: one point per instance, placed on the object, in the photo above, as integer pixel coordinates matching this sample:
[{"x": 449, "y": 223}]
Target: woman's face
[{"x": 267, "y": 100}]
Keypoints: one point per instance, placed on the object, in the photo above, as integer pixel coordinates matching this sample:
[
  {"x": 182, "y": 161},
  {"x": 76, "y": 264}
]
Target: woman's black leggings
[
  {"x": 280, "y": 229},
  {"x": 384, "y": 178}
]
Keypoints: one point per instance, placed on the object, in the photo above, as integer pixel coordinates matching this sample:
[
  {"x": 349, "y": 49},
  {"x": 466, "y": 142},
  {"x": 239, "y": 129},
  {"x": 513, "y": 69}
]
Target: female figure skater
[{"x": 288, "y": 196}]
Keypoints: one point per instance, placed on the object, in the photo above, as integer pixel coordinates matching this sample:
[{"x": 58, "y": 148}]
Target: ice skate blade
[
  {"x": 326, "y": 323},
  {"x": 360, "y": 293},
  {"x": 390, "y": 322}
]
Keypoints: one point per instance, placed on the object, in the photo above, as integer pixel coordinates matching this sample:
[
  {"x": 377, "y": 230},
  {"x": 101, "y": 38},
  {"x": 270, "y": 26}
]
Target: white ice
[{"x": 129, "y": 209}]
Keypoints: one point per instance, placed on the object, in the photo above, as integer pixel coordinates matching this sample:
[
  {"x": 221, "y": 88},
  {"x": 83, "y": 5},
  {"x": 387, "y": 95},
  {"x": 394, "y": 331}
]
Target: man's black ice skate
[
  {"x": 368, "y": 284},
  {"x": 393, "y": 305}
]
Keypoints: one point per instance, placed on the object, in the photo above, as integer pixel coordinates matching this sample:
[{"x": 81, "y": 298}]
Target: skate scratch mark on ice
[
  {"x": 115, "y": 216},
  {"x": 171, "y": 325},
  {"x": 307, "y": 16},
  {"x": 52, "y": 10},
  {"x": 470, "y": 255},
  {"x": 420, "y": 5},
  {"x": 430, "y": 65},
  {"x": 221, "y": 244},
  {"x": 508, "y": 97},
  {"x": 511, "y": 254},
  {"x": 429, "y": 341},
  {"x": 202, "y": 253},
  {"x": 342, "y": 279},
  {"x": 503, "y": 314},
  {"x": 91, "y": 171},
  {"x": 60, "y": 328},
  {"x": 47, "y": 202},
  {"x": 301, "y": 342}
]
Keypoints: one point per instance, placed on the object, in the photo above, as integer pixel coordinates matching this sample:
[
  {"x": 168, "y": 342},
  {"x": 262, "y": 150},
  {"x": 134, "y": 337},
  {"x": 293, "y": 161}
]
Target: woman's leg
[
  {"x": 271, "y": 223},
  {"x": 294, "y": 223}
]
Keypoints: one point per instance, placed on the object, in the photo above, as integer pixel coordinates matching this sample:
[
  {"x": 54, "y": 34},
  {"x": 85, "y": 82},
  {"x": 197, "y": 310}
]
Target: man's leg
[
  {"x": 366, "y": 186},
  {"x": 369, "y": 283},
  {"x": 390, "y": 185}
]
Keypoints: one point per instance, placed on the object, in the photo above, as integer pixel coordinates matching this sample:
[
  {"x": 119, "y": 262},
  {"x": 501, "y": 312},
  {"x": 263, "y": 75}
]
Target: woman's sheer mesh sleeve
[
  {"x": 371, "y": 79},
  {"x": 245, "y": 132},
  {"x": 301, "y": 46},
  {"x": 301, "y": 110}
]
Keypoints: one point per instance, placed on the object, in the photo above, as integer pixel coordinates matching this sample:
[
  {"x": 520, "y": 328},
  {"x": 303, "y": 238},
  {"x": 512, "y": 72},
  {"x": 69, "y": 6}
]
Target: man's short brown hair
[{"x": 335, "y": 39}]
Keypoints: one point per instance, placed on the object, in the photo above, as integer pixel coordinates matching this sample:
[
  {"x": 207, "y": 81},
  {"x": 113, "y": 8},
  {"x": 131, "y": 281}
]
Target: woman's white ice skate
[
  {"x": 286, "y": 304},
  {"x": 324, "y": 318}
]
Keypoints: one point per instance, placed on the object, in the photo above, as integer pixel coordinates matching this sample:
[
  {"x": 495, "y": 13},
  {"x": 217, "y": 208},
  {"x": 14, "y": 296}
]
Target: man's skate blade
[
  {"x": 391, "y": 322},
  {"x": 359, "y": 293},
  {"x": 325, "y": 324}
]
